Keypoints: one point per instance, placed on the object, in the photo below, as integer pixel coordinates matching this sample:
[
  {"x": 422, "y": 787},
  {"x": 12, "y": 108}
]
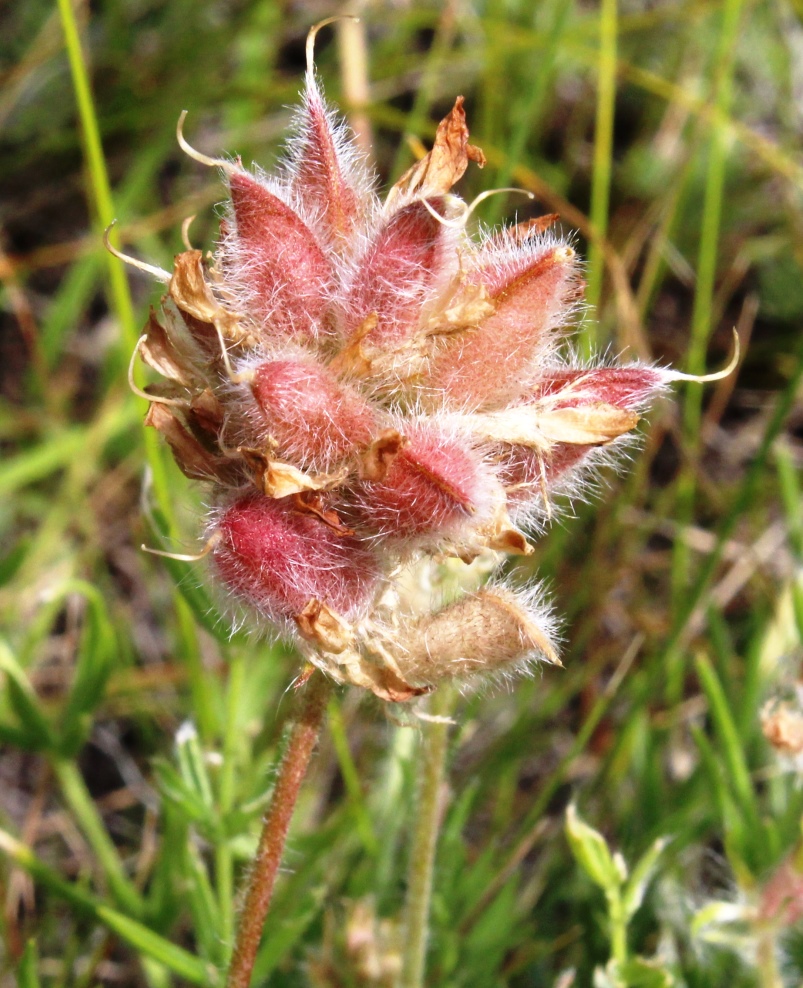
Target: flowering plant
[{"x": 369, "y": 391}]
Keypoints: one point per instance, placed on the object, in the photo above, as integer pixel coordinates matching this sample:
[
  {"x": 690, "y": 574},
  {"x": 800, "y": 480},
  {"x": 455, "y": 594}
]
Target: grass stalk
[
  {"x": 739, "y": 508},
  {"x": 292, "y": 769},
  {"x": 706, "y": 276},
  {"x": 121, "y": 303},
  {"x": 80, "y": 802},
  {"x": 101, "y": 194},
  {"x": 431, "y": 766},
  {"x": 603, "y": 159},
  {"x": 224, "y": 862}
]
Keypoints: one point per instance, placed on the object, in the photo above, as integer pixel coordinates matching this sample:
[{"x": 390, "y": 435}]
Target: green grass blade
[
  {"x": 29, "y": 967},
  {"x": 99, "y": 178},
  {"x": 83, "y": 807},
  {"x": 140, "y": 937},
  {"x": 603, "y": 160}
]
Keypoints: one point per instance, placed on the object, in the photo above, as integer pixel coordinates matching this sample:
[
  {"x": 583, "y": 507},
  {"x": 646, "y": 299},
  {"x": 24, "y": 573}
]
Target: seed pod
[
  {"x": 313, "y": 419},
  {"x": 279, "y": 272},
  {"x": 630, "y": 387},
  {"x": 326, "y": 174},
  {"x": 530, "y": 288},
  {"x": 397, "y": 274},
  {"x": 436, "y": 486},
  {"x": 486, "y": 633},
  {"x": 276, "y": 559}
]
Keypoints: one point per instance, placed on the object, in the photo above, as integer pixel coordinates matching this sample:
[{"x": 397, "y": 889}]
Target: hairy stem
[
  {"x": 309, "y": 716},
  {"x": 432, "y": 762}
]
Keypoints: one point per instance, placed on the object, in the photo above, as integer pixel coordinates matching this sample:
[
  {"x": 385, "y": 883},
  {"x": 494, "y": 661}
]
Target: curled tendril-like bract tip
[
  {"x": 183, "y": 557},
  {"x": 159, "y": 273},
  {"x": 185, "y": 231},
  {"x": 466, "y": 209},
  {"x": 313, "y": 33},
  {"x": 198, "y": 156},
  {"x": 137, "y": 390},
  {"x": 719, "y": 375}
]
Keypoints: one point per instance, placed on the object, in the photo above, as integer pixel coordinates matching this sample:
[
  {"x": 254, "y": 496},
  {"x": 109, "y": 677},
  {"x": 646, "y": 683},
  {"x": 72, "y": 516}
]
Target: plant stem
[
  {"x": 312, "y": 701},
  {"x": 224, "y": 860},
  {"x": 618, "y": 925},
  {"x": 431, "y": 765},
  {"x": 100, "y": 186},
  {"x": 603, "y": 161}
]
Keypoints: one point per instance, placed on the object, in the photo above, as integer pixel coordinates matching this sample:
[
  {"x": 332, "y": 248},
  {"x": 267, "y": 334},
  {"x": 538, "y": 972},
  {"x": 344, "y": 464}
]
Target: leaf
[
  {"x": 95, "y": 660},
  {"x": 592, "y": 853},
  {"x": 639, "y": 972},
  {"x": 28, "y": 967},
  {"x": 38, "y": 735},
  {"x": 641, "y": 876},
  {"x": 178, "y": 960}
]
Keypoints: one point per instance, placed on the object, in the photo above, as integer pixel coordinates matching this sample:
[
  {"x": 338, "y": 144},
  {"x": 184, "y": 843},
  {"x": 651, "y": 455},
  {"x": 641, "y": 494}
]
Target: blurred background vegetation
[{"x": 135, "y": 762}]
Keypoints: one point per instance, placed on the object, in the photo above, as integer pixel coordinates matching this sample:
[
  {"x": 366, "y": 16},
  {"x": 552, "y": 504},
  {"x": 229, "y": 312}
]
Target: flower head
[{"x": 369, "y": 391}]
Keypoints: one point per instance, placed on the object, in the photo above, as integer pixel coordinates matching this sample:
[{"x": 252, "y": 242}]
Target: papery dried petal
[
  {"x": 172, "y": 353},
  {"x": 194, "y": 454},
  {"x": 384, "y": 682},
  {"x": 541, "y": 425},
  {"x": 445, "y": 164},
  {"x": 206, "y": 318},
  {"x": 278, "y": 479},
  {"x": 324, "y": 627}
]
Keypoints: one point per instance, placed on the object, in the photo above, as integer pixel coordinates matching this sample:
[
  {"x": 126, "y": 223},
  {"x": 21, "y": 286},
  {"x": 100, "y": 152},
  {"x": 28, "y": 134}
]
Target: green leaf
[
  {"x": 94, "y": 664},
  {"x": 25, "y": 704},
  {"x": 592, "y": 853},
  {"x": 636, "y": 886},
  {"x": 182, "y": 963},
  {"x": 184, "y": 798},
  {"x": 203, "y": 906},
  {"x": 639, "y": 972},
  {"x": 732, "y": 748},
  {"x": 29, "y": 967},
  {"x": 192, "y": 765},
  {"x": 178, "y": 960}
]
